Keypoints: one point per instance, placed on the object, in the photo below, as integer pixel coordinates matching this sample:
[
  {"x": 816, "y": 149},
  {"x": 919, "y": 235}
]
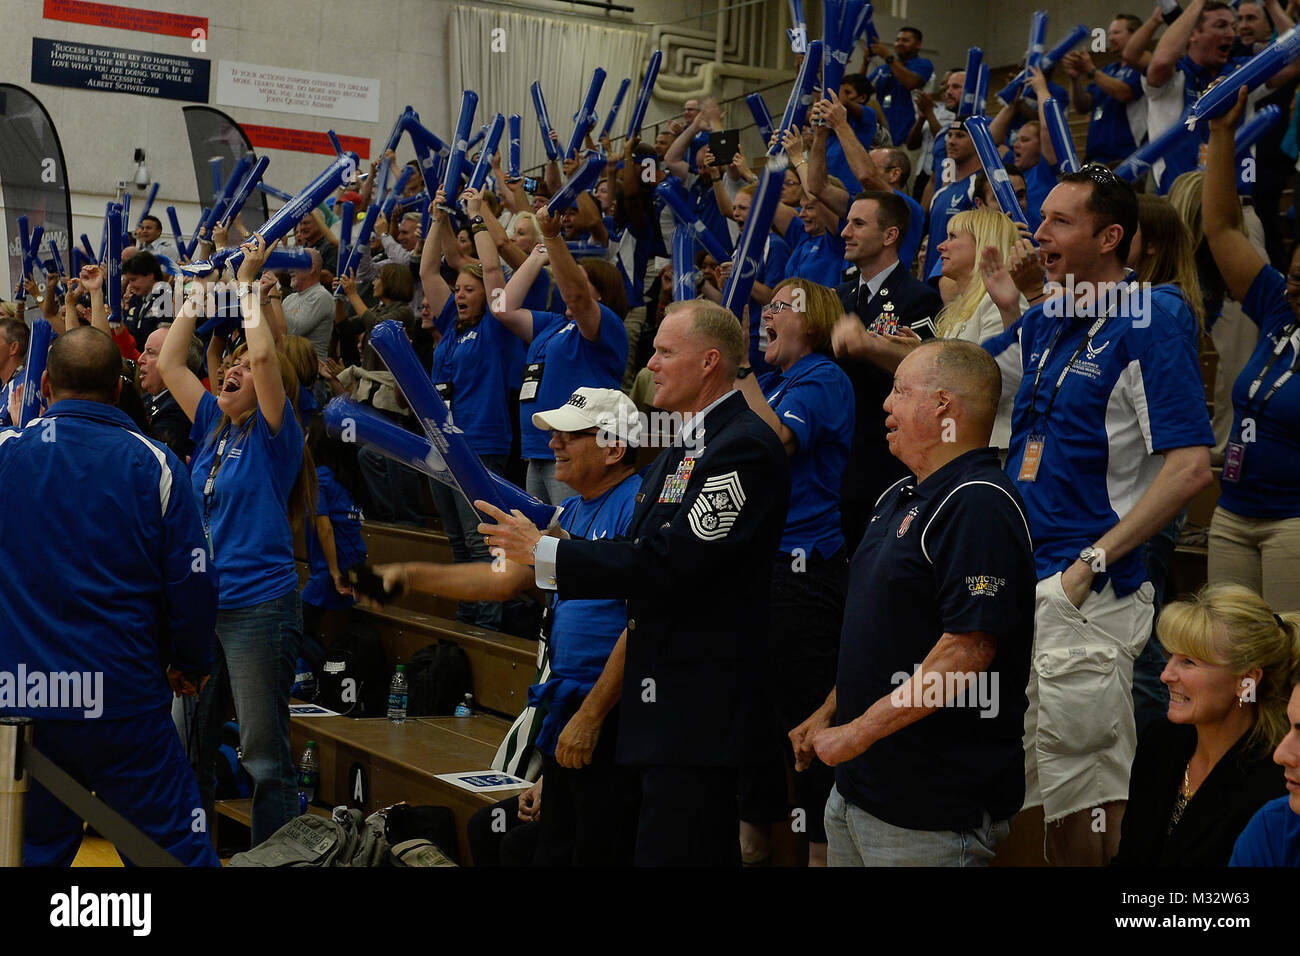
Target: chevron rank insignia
[{"x": 717, "y": 506}]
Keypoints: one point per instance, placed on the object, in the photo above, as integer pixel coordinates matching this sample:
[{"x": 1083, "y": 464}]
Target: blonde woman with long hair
[
  {"x": 971, "y": 313},
  {"x": 1201, "y": 774}
]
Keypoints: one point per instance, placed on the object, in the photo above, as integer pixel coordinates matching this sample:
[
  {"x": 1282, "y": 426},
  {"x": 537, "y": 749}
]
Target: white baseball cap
[{"x": 605, "y": 408}]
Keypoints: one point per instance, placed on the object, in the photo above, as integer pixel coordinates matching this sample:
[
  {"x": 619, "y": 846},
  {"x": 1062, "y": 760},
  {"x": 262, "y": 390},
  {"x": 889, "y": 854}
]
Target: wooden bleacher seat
[{"x": 401, "y": 761}]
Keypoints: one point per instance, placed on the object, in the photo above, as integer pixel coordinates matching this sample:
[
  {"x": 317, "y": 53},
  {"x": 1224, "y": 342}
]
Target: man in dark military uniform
[{"x": 694, "y": 568}]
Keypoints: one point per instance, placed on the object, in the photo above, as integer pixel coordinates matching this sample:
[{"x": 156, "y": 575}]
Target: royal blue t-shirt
[
  {"x": 248, "y": 515},
  {"x": 333, "y": 502},
  {"x": 584, "y": 632},
  {"x": 1134, "y": 391},
  {"x": 1110, "y": 137},
  {"x": 476, "y": 364},
  {"x": 1040, "y": 180},
  {"x": 1271, "y": 838},
  {"x": 567, "y": 361},
  {"x": 896, "y": 99},
  {"x": 915, "y": 230},
  {"x": 814, "y": 399},
  {"x": 1269, "y": 487},
  {"x": 818, "y": 259},
  {"x": 947, "y": 202},
  {"x": 864, "y": 128}
]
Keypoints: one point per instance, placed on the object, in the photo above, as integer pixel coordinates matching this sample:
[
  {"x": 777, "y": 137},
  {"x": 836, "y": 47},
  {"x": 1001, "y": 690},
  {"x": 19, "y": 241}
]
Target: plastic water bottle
[
  {"x": 397, "y": 696},
  {"x": 466, "y": 707},
  {"x": 304, "y": 682},
  {"x": 308, "y": 773}
]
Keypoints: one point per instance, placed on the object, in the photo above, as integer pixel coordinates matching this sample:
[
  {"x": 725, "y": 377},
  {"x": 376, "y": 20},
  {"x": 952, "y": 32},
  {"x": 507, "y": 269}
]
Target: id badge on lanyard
[
  {"x": 1033, "y": 457},
  {"x": 444, "y": 392},
  {"x": 532, "y": 381}
]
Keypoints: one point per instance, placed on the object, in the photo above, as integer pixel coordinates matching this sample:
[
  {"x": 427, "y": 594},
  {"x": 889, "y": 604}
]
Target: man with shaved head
[
  {"x": 116, "y": 631},
  {"x": 708, "y": 521},
  {"x": 309, "y": 309},
  {"x": 924, "y": 723}
]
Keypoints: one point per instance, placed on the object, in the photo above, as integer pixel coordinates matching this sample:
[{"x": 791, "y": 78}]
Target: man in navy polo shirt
[
  {"x": 1113, "y": 96},
  {"x": 938, "y": 625},
  {"x": 903, "y": 71},
  {"x": 1111, "y": 382}
]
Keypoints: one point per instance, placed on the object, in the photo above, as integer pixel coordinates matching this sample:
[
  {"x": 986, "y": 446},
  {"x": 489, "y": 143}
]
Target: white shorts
[{"x": 1079, "y": 731}]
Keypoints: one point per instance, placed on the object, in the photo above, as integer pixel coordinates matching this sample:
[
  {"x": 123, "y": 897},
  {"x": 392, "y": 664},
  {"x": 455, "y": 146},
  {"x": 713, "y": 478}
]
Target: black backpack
[
  {"x": 355, "y": 676},
  {"x": 438, "y": 678}
]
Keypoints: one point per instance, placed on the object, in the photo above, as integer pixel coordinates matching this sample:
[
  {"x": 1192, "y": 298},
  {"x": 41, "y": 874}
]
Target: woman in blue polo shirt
[
  {"x": 1255, "y": 532},
  {"x": 810, "y": 407},
  {"x": 471, "y": 372},
  {"x": 254, "y": 482},
  {"x": 585, "y": 346}
]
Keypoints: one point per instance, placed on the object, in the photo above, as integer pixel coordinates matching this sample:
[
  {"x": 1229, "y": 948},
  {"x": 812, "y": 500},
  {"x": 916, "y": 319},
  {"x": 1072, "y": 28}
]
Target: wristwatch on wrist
[
  {"x": 744, "y": 372},
  {"x": 889, "y": 59},
  {"x": 1092, "y": 73},
  {"x": 1089, "y": 556}
]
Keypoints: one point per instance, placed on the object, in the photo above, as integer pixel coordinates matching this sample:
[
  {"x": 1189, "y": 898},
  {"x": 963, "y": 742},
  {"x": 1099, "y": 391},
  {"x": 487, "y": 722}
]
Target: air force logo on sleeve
[{"x": 716, "y": 508}]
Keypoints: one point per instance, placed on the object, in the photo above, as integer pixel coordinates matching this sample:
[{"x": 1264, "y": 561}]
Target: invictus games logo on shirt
[{"x": 984, "y": 585}]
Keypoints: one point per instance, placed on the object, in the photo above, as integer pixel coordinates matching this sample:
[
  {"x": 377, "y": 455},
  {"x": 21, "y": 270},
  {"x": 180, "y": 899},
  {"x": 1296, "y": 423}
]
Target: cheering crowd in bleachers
[{"x": 1173, "y": 719}]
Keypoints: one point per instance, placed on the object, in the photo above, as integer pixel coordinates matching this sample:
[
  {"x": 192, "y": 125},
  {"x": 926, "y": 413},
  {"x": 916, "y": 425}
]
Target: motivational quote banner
[
  {"x": 329, "y": 95},
  {"x": 89, "y": 66}
]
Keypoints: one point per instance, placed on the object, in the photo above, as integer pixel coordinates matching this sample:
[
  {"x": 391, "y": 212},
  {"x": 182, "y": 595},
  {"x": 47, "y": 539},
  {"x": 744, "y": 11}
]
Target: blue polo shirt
[
  {"x": 896, "y": 99},
  {"x": 248, "y": 515},
  {"x": 1185, "y": 156},
  {"x": 475, "y": 363},
  {"x": 818, "y": 259},
  {"x": 1268, "y": 487},
  {"x": 583, "y": 632},
  {"x": 947, "y": 202},
  {"x": 1134, "y": 391},
  {"x": 333, "y": 502},
  {"x": 1271, "y": 838},
  {"x": 814, "y": 399},
  {"x": 1110, "y": 135},
  {"x": 864, "y": 128},
  {"x": 949, "y": 555},
  {"x": 565, "y": 360}
]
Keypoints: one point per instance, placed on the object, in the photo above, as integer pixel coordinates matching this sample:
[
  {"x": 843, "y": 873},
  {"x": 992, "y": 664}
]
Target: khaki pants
[{"x": 1262, "y": 554}]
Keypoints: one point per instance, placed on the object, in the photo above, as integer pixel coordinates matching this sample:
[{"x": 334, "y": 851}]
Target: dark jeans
[
  {"x": 461, "y": 521},
  {"x": 394, "y": 488},
  {"x": 253, "y": 660},
  {"x": 1150, "y": 695},
  {"x": 807, "y": 610}
]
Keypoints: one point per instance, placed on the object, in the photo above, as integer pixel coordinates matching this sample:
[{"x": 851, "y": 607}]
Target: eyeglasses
[{"x": 776, "y": 308}]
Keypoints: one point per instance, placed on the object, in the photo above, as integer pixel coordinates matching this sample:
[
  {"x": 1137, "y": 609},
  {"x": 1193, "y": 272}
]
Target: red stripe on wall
[{"x": 303, "y": 141}]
